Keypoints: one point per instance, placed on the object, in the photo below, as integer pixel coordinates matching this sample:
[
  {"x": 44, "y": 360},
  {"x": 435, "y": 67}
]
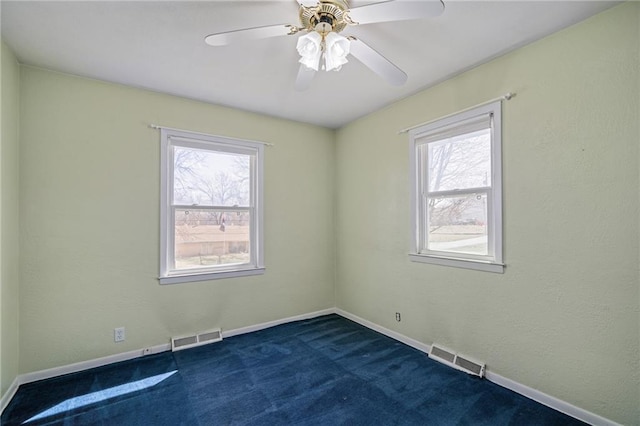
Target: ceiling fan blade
[
  {"x": 398, "y": 10},
  {"x": 222, "y": 39},
  {"x": 308, "y": 3},
  {"x": 305, "y": 77},
  {"x": 378, "y": 63}
]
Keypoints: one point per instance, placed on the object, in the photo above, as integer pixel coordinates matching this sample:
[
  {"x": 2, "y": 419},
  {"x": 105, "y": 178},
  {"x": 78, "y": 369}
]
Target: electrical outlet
[
  {"x": 147, "y": 351},
  {"x": 118, "y": 334},
  {"x": 398, "y": 316}
]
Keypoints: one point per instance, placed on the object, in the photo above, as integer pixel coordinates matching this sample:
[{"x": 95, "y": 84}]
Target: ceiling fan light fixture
[
  {"x": 310, "y": 49},
  {"x": 332, "y": 47},
  {"x": 322, "y": 46}
]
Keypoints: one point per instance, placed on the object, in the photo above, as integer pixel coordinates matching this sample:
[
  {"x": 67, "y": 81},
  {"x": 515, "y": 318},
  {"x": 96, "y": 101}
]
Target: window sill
[
  {"x": 477, "y": 265},
  {"x": 175, "y": 279}
]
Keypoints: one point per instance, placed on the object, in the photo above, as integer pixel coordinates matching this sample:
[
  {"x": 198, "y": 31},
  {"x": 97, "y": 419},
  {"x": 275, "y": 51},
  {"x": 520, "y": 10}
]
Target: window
[
  {"x": 211, "y": 207},
  {"x": 457, "y": 190}
]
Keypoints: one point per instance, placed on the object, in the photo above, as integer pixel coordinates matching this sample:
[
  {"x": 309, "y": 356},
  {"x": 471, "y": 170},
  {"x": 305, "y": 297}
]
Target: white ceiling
[{"x": 158, "y": 45}]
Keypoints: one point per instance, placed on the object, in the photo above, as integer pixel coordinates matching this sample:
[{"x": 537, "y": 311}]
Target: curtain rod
[
  {"x": 157, "y": 127},
  {"x": 507, "y": 96}
]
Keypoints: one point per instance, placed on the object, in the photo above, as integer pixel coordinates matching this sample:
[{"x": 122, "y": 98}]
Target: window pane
[
  {"x": 211, "y": 237},
  {"x": 460, "y": 162},
  {"x": 458, "y": 224},
  {"x": 209, "y": 178}
]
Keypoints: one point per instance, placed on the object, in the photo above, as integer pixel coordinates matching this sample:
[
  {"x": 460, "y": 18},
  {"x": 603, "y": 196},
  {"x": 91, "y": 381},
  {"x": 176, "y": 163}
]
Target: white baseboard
[
  {"x": 85, "y": 365},
  {"x": 258, "y": 327},
  {"x": 8, "y": 395},
  {"x": 530, "y": 393},
  {"x": 550, "y": 401},
  {"x": 536, "y": 395},
  {"x": 390, "y": 333}
]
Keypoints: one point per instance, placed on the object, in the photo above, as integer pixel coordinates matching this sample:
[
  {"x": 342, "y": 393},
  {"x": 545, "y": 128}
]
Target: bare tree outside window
[
  {"x": 185, "y": 162},
  {"x": 458, "y": 223},
  {"x": 217, "y": 235},
  {"x": 211, "y": 213},
  {"x": 456, "y": 190}
]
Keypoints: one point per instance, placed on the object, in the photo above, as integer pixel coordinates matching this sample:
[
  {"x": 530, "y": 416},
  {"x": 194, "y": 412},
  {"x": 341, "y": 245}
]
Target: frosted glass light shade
[
  {"x": 310, "y": 49},
  {"x": 336, "y": 51}
]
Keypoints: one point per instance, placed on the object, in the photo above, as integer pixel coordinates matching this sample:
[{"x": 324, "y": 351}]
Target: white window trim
[
  {"x": 187, "y": 138},
  {"x": 494, "y": 194}
]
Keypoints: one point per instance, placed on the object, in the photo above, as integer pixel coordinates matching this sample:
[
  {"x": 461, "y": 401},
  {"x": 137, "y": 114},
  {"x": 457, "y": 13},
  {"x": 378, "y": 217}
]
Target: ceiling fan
[{"x": 322, "y": 47}]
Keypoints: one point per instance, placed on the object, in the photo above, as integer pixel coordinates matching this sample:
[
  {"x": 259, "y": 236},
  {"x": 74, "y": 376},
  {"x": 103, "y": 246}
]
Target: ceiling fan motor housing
[{"x": 327, "y": 16}]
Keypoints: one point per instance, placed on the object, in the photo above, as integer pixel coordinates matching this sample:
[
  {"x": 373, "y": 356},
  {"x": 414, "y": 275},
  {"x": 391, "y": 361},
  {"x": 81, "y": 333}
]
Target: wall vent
[
  {"x": 440, "y": 353},
  {"x": 193, "y": 340},
  {"x": 470, "y": 366},
  {"x": 457, "y": 361}
]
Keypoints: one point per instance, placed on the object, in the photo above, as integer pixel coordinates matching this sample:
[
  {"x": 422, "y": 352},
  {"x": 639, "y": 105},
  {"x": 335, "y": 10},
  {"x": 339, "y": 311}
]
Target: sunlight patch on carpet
[{"x": 103, "y": 395}]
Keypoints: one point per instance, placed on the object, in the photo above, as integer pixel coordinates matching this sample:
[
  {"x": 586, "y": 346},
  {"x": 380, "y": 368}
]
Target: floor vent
[
  {"x": 457, "y": 361},
  {"x": 203, "y": 338}
]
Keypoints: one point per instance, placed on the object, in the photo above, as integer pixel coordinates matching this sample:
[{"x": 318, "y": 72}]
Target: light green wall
[
  {"x": 9, "y": 271},
  {"x": 89, "y": 197},
  {"x": 564, "y": 317}
]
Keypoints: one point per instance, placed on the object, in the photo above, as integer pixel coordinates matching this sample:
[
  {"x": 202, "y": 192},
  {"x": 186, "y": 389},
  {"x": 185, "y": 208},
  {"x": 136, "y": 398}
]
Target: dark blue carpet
[{"x": 323, "y": 371}]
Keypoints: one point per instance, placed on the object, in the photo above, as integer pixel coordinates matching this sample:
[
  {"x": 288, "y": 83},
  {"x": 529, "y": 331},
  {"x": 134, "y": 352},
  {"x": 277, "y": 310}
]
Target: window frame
[
  {"x": 173, "y": 137},
  {"x": 420, "y": 136}
]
